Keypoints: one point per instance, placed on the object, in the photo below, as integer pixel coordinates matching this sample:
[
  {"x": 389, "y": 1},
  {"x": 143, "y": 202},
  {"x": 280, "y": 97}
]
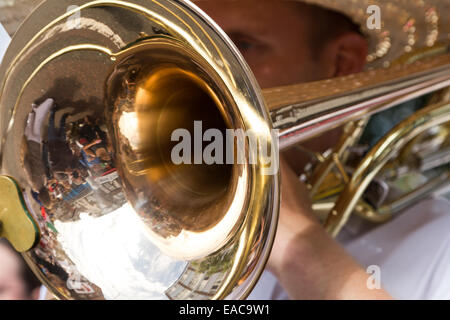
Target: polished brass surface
[
  {"x": 16, "y": 223},
  {"x": 412, "y": 169},
  {"x": 164, "y": 90},
  {"x": 86, "y": 132},
  {"x": 306, "y": 110},
  {"x": 378, "y": 157},
  {"x": 303, "y": 111},
  {"x": 87, "y": 115}
]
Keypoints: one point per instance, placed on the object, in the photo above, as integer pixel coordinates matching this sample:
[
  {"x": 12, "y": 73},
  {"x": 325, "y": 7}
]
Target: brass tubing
[{"x": 353, "y": 97}]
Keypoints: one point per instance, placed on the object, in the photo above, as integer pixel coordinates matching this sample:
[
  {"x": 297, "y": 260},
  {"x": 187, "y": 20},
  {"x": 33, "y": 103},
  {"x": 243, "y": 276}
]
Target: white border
[{"x": 4, "y": 41}]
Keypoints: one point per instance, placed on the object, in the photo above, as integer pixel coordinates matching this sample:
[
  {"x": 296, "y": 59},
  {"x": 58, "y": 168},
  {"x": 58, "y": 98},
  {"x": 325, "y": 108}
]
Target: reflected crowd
[
  {"x": 79, "y": 175},
  {"x": 68, "y": 159}
]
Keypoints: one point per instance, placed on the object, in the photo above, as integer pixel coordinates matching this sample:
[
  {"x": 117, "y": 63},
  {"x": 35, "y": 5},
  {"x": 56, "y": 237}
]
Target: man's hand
[{"x": 307, "y": 262}]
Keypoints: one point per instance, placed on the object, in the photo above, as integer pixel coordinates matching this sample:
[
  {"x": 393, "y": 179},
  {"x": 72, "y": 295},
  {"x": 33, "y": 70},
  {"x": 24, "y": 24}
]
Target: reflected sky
[
  {"x": 114, "y": 253},
  {"x": 128, "y": 123}
]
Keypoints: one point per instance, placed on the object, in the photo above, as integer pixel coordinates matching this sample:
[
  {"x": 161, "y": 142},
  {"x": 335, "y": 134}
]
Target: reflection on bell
[
  {"x": 154, "y": 92},
  {"x": 89, "y": 143}
]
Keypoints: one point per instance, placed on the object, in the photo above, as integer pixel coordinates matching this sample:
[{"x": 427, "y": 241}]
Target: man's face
[
  {"x": 275, "y": 37},
  {"x": 272, "y": 35}
]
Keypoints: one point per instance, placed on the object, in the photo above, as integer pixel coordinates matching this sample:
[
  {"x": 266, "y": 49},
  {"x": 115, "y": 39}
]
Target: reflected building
[
  {"x": 208, "y": 273},
  {"x": 189, "y": 284}
]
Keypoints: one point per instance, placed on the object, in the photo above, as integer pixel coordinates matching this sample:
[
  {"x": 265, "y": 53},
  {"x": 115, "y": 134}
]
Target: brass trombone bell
[
  {"x": 126, "y": 76},
  {"x": 87, "y": 112}
]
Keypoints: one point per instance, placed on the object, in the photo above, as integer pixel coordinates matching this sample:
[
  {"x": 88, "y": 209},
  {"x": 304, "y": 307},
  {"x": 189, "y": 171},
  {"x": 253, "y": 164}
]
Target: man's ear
[{"x": 346, "y": 54}]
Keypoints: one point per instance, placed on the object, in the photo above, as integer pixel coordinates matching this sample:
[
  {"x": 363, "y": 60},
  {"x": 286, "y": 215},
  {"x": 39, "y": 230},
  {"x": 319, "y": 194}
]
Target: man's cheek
[{"x": 268, "y": 75}]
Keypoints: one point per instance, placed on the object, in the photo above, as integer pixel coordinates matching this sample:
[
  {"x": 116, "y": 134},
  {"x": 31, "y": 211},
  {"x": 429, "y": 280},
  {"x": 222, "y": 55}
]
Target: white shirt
[{"x": 412, "y": 252}]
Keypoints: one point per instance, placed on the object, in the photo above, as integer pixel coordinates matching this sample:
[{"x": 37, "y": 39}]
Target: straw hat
[{"x": 406, "y": 25}]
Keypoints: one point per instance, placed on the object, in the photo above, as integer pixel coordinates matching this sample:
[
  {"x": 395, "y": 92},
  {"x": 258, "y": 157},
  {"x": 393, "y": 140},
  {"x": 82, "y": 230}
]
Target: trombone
[{"x": 174, "y": 66}]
